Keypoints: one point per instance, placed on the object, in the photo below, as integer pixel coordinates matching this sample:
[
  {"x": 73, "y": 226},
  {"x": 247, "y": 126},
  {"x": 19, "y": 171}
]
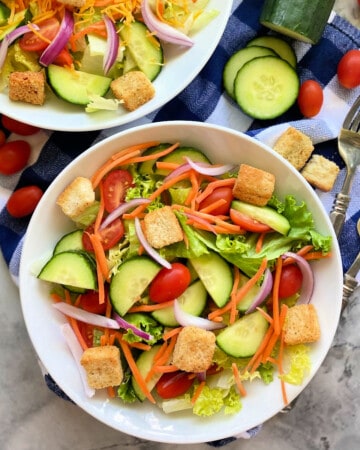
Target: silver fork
[{"x": 349, "y": 149}]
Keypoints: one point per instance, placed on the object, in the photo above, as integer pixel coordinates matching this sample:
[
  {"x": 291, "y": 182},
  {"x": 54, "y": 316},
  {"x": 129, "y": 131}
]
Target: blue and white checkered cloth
[{"x": 204, "y": 100}]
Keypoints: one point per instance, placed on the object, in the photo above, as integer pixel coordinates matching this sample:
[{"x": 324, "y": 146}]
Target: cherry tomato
[
  {"x": 247, "y": 223},
  {"x": 169, "y": 283},
  {"x": 310, "y": 98},
  {"x": 64, "y": 58},
  {"x": 30, "y": 42},
  {"x": 173, "y": 384},
  {"x": 23, "y": 201},
  {"x": 14, "y": 156},
  {"x": 2, "y": 138},
  {"x": 348, "y": 69},
  {"x": 218, "y": 194},
  {"x": 18, "y": 127},
  {"x": 90, "y": 302},
  {"x": 115, "y": 187},
  {"x": 290, "y": 281},
  {"x": 87, "y": 332},
  {"x": 109, "y": 236}
]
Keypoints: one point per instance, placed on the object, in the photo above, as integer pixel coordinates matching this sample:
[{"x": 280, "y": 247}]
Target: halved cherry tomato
[
  {"x": 14, "y": 156},
  {"x": 31, "y": 42},
  {"x": 218, "y": 194},
  {"x": 90, "y": 302},
  {"x": 23, "y": 201},
  {"x": 247, "y": 223},
  {"x": 64, "y": 58},
  {"x": 17, "y": 127},
  {"x": 173, "y": 384},
  {"x": 310, "y": 98},
  {"x": 109, "y": 236},
  {"x": 348, "y": 69},
  {"x": 87, "y": 332},
  {"x": 115, "y": 186},
  {"x": 169, "y": 283},
  {"x": 290, "y": 281}
]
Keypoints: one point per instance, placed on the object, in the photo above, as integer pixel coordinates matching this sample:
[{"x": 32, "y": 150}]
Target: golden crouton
[
  {"x": 28, "y": 87},
  {"x": 321, "y": 172},
  {"x": 77, "y": 196},
  {"x": 254, "y": 185},
  {"x": 76, "y": 3},
  {"x": 294, "y": 146},
  {"x": 301, "y": 325},
  {"x": 102, "y": 365},
  {"x": 162, "y": 227},
  {"x": 194, "y": 349},
  {"x": 133, "y": 88}
]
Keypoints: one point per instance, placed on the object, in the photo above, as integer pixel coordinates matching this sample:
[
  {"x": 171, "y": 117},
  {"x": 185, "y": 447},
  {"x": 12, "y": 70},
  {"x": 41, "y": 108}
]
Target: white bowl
[
  {"x": 181, "y": 67},
  {"x": 145, "y": 421}
]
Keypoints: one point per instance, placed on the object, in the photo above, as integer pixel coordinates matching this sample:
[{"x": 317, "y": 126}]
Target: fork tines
[{"x": 352, "y": 121}]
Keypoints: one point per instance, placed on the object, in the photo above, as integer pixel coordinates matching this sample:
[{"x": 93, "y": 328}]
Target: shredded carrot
[
  {"x": 212, "y": 186},
  {"x": 165, "y": 369},
  {"x": 302, "y": 252},
  {"x": 238, "y": 381},
  {"x": 56, "y": 297},
  {"x": 154, "y": 155},
  {"x": 99, "y": 253},
  {"x": 135, "y": 371},
  {"x": 275, "y": 296},
  {"x": 162, "y": 357},
  {"x": 171, "y": 333},
  {"x": 129, "y": 150},
  {"x": 274, "y": 338},
  {"x": 256, "y": 358},
  {"x": 197, "y": 392},
  {"x": 281, "y": 371},
  {"x": 233, "y": 310},
  {"x": 195, "y": 184},
  {"x": 213, "y": 206},
  {"x": 97, "y": 28},
  {"x": 163, "y": 165},
  {"x": 316, "y": 255},
  {"x": 141, "y": 346},
  {"x": 148, "y": 308},
  {"x": 104, "y": 339},
  {"x": 75, "y": 326},
  {"x": 266, "y": 315},
  {"x": 111, "y": 392},
  {"x": 259, "y": 242}
]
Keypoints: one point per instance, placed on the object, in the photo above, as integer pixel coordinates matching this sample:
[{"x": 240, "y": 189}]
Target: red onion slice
[
  {"x": 208, "y": 169},
  {"x": 149, "y": 250},
  {"x": 122, "y": 209},
  {"x": 112, "y": 44},
  {"x": 185, "y": 319},
  {"x": 76, "y": 351},
  {"x": 60, "y": 40},
  {"x": 176, "y": 172},
  {"x": 129, "y": 326},
  {"x": 264, "y": 291},
  {"x": 307, "y": 288},
  {"x": 10, "y": 38},
  {"x": 163, "y": 31},
  {"x": 85, "y": 316}
]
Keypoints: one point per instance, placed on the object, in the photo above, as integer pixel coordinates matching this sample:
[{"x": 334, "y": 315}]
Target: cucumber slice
[
  {"x": 237, "y": 60},
  {"x": 145, "y": 51},
  {"x": 278, "y": 45},
  {"x": 147, "y": 167},
  {"x": 75, "y": 86},
  {"x": 266, "y": 87},
  {"x": 131, "y": 280},
  {"x": 247, "y": 300},
  {"x": 216, "y": 275},
  {"x": 70, "y": 268},
  {"x": 71, "y": 241},
  {"x": 263, "y": 214},
  {"x": 193, "y": 301},
  {"x": 144, "y": 363},
  {"x": 178, "y": 157},
  {"x": 242, "y": 338}
]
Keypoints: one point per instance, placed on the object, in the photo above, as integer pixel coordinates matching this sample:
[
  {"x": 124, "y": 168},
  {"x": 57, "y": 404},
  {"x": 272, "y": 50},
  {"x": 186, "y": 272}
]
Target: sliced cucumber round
[
  {"x": 75, "y": 86},
  {"x": 70, "y": 241},
  {"x": 237, "y": 60},
  {"x": 266, "y": 87},
  {"x": 178, "y": 157},
  {"x": 144, "y": 364},
  {"x": 281, "y": 47}
]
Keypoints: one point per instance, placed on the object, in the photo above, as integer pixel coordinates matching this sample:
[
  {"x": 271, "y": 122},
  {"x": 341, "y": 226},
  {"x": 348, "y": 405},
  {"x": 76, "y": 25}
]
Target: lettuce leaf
[{"x": 145, "y": 323}]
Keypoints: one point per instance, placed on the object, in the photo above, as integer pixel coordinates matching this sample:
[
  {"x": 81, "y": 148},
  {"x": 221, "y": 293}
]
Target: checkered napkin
[{"x": 204, "y": 100}]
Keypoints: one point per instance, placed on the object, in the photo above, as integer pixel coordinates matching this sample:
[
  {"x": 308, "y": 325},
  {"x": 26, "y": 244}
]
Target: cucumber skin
[
  {"x": 144, "y": 364},
  {"x": 178, "y": 155},
  {"x": 70, "y": 241},
  {"x": 278, "y": 45},
  {"x": 243, "y": 337},
  {"x": 299, "y": 19}
]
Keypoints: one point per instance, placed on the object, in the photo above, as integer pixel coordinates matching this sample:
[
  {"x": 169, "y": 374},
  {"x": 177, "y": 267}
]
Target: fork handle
[{"x": 338, "y": 212}]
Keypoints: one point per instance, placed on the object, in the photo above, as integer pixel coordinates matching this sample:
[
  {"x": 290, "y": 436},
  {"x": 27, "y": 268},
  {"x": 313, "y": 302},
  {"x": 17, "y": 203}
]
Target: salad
[
  {"x": 167, "y": 269},
  {"x": 83, "y": 45}
]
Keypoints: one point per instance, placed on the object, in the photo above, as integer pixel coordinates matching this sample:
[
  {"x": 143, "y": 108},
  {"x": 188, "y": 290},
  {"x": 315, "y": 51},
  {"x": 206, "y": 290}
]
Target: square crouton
[
  {"x": 253, "y": 185},
  {"x": 28, "y": 87},
  {"x": 133, "y": 88},
  {"x": 321, "y": 172},
  {"x": 77, "y": 196},
  {"x": 102, "y": 365},
  {"x": 194, "y": 349},
  {"x": 294, "y": 146},
  {"x": 301, "y": 325},
  {"x": 162, "y": 227}
]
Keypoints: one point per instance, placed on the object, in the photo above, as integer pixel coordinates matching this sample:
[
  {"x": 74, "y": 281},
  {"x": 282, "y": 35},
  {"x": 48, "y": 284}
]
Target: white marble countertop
[{"x": 326, "y": 415}]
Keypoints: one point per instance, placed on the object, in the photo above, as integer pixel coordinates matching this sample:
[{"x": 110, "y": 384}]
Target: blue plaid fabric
[{"x": 204, "y": 100}]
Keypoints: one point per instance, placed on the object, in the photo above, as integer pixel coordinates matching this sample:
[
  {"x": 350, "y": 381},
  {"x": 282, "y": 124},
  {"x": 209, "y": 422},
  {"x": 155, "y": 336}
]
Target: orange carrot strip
[
  {"x": 171, "y": 333},
  {"x": 154, "y": 155},
  {"x": 99, "y": 254},
  {"x": 259, "y": 242},
  {"x": 275, "y": 297},
  {"x": 154, "y": 307},
  {"x": 56, "y": 297},
  {"x": 140, "y": 346},
  {"x": 212, "y": 186},
  {"x": 233, "y": 310},
  {"x": 166, "y": 369},
  {"x": 274, "y": 338},
  {"x": 281, "y": 371},
  {"x": 210, "y": 208},
  {"x": 316, "y": 255},
  {"x": 266, "y": 315},
  {"x": 166, "y": 165},
  {"x": 111, "y": 391},
  {"x": 197, "y": 392},
  {"x": 190, "y": 199},
  {"x": 251, "y": 364},
  {"x": 131, "y": 149},
  {"x": 75, "y": 326},
  {"x": 302, "y": 252},
  {"x": 135, "y": 371},
  {"x": 238, "y": 381}
]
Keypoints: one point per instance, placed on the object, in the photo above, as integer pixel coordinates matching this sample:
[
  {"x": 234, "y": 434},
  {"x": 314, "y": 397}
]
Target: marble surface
[{"x": 325, "y": 417}]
